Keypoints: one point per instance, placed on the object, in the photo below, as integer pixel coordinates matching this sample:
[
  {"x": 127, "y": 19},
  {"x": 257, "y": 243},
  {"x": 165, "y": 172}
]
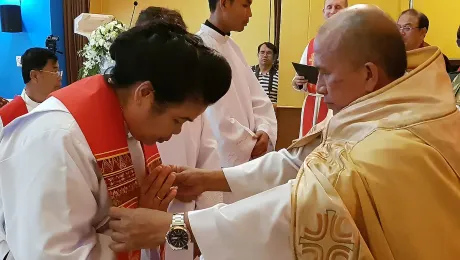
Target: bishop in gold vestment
[{"x": 384, "y": 183}]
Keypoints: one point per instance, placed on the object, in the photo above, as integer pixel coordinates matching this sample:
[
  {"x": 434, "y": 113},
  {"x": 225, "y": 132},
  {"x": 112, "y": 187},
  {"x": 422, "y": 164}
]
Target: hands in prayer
[
  {"x": 156, "y": 188},
  {"x": 139, "y": 228},
  {"x": 261, "y": 146},
  {"x": 143, "y": 227}
]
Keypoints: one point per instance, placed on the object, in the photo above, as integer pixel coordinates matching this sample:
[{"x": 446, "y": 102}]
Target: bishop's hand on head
[{"x": 156, "y": 188}]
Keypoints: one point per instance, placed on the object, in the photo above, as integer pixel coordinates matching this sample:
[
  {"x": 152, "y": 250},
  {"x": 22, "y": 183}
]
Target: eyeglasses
[
  {"x": 57, "y": 73},
  {"x": 406, "y": 28},
  {"x": 262, "y": 53}
]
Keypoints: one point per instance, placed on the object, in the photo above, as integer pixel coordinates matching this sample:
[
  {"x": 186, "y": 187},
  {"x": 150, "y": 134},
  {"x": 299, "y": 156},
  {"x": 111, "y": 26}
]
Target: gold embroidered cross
[{"x": 329, "y": 240}]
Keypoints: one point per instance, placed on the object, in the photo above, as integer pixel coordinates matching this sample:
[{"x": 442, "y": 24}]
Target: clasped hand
[
  {"x": 261, "y": 146},
  {"x": 143, "y": 227},
  {"x": 156, "y": 191}
]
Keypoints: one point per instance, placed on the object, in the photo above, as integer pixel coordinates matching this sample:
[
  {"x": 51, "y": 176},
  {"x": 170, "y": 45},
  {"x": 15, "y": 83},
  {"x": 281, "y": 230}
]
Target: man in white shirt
[
  {"x": 195, "y": 146},
  {"x": 41, "y": 74},
  {"x": 3, "y": 102},
  {"x": 243, "y": 121}
]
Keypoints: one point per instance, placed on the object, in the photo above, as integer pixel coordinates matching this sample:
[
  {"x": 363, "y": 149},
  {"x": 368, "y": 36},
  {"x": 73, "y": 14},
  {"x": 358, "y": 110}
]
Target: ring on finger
[{"x": 158, "y": 198}]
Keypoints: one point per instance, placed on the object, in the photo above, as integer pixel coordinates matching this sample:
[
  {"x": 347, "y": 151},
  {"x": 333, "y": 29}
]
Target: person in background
[
  {"x": 267, "y": 70},
  {"x": 458, "y": 36},
  {"x": 458, "y": 40},
  {"x": 41, "y": 74},
  {"x": 3, "y": 102},
  {"x": 243, "y": 121},
  {"x": 413, "y": 26},
  {"x": 154, "y": 13},
  {"x": 195, "y": 146},
  {"x": 314, "y": 109},
  {"x": 331, "y": 7}
]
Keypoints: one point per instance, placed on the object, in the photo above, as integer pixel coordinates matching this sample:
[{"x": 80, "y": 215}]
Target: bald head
[
  {"x": 357, "y": 51},
  {"x": 362, "y": 34}
]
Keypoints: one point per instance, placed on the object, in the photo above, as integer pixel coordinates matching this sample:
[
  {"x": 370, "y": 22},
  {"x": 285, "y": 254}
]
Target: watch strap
[{"x": 178, "y": 220}]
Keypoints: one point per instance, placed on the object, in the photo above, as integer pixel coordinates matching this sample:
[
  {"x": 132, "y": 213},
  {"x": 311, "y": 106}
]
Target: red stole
[
  {"x": 97, "y": 111},
  {"x": 314, "y": 110},
  {"x": 14, "y": 109}
]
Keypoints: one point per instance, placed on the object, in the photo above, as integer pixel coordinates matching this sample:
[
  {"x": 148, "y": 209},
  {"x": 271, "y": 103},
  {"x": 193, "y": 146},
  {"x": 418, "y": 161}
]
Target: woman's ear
[{"x": 144, "y": 90}]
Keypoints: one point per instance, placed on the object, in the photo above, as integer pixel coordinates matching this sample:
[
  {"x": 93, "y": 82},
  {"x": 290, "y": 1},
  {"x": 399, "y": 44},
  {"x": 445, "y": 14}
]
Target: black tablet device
[{"x": 310, "y": 73}]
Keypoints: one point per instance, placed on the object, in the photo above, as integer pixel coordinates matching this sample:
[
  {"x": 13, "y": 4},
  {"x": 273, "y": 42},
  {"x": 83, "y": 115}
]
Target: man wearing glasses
[
  {"x": 413, "y": 26},
  {"x": 41, "y": 74}
]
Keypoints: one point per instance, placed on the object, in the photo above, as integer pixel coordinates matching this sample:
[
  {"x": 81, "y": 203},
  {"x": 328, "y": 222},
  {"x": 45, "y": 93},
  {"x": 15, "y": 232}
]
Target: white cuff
[{"x": 203, "y": 225}]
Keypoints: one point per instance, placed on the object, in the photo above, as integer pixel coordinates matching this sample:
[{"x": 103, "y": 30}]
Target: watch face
[{"x": 178, "y": 238}]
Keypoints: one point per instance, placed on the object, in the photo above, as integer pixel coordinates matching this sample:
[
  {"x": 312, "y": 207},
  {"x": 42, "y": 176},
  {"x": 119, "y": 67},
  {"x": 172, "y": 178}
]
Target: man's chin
[{"x": 241, "y": 28}]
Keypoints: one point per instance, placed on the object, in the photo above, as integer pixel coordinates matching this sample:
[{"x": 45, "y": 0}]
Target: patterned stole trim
[
  {"x": 118, "y": 172},
  {"x": 152, "y": 160},
  {"x": 14, "y": 109},
  {"x": 310, "y": 61},
  {"x": 152, "y": 157},
  {"x": 104, "y": 130}
]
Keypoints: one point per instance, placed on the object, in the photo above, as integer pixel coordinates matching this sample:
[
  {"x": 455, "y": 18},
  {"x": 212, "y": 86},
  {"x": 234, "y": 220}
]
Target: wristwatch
[{"x": 178, "y": 236}]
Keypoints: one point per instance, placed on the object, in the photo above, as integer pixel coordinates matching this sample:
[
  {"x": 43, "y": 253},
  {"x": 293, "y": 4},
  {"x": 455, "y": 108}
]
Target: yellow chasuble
[{"x": 384, "y": 182}]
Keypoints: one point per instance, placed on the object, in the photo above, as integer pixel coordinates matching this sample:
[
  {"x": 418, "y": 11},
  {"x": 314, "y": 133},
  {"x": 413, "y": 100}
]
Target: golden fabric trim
[{"x": 116, "y": 150}]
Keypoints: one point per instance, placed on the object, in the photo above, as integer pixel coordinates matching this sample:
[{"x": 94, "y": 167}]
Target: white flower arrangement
[{"x": 96, "y": 52}]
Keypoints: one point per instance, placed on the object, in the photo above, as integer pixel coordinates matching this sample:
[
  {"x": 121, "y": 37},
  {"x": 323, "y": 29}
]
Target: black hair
[
  {"x": 176, "y": 62},
  {"x": 423, "y": 21},
  {"x": 35, "y": 59},
  {"x": 458, "y": 36},
  {"x": 213, "y": 4},
  {"x": 275, "y": 51},
  {"x": 269, "y": 45},
  {"x": 153, "y": 13},
  {"x": 458, "y": 32}
]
